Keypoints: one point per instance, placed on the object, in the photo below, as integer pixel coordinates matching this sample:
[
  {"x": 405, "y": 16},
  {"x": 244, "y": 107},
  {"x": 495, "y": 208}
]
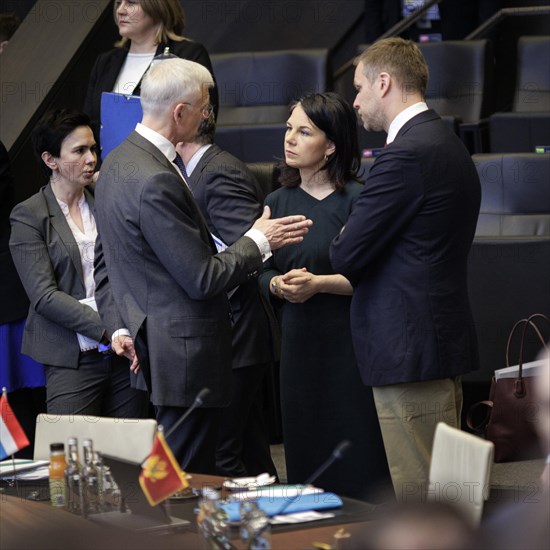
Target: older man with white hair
[{"x": 167, "y": 280}]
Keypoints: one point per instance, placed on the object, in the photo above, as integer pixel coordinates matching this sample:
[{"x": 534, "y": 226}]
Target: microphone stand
[
  {"x": 197, "y": 403},
  {"x": 337, "y": 454}
]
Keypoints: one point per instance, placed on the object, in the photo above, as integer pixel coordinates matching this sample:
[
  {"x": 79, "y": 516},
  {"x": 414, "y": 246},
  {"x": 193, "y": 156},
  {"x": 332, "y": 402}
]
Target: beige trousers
[{"x": 408, "y": 415}]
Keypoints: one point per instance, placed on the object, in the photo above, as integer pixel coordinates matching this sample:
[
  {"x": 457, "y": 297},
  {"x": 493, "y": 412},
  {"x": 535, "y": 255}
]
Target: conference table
[{"x": 26, "y": 524}]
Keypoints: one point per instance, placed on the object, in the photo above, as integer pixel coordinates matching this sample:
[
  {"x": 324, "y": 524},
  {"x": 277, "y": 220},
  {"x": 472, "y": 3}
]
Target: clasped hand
[{"x": 297, "y": 285}]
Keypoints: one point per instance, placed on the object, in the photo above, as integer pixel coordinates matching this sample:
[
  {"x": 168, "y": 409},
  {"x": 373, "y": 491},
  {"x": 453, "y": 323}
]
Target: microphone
[
  {"x": 337, "y": 454},
  {"x": 197, "y": 403}
]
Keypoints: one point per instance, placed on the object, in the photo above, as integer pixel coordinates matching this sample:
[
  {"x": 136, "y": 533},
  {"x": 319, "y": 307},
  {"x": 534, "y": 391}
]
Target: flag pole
[{"x": 14, "y": 478}]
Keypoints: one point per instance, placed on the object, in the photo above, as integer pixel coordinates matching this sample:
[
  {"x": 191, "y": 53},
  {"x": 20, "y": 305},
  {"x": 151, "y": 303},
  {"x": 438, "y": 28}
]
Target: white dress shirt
[
  {"x": 403, "y": 117},
  {"x": 85, "y": 240}
]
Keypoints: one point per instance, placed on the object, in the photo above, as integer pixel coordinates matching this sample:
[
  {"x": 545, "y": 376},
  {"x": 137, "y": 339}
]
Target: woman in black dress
[{"x": 323, "y": 400}]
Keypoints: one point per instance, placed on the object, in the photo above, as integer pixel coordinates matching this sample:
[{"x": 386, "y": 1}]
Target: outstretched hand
[{"x": 282, "y": 231}]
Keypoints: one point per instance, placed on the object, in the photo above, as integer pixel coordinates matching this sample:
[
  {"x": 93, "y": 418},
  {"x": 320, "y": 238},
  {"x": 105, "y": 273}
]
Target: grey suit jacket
[
  {"x": 47, "y": 259},
  {"x": 168, "y": 284},
  {"x": 231, "y": 200}
]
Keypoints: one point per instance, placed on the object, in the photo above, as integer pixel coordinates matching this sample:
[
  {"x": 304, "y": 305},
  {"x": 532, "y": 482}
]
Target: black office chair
[
  {"x": 528, "y": 124},
  {"x": 461, "y": 87},
  {"x": 256, "y": 89},
  {"x": 509, "y": 263},
  {"x": 267, "y": 174}
]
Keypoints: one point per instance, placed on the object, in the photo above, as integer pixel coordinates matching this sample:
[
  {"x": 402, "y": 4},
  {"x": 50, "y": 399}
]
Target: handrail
[
  {"x": 502, "y": 14},
  {"x": 397, "y": 29}
]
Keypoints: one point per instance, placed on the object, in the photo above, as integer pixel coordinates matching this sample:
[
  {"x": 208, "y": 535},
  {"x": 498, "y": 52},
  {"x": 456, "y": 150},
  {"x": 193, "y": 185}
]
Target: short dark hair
[
  {"x": 9, "y": 21},
  {"x": 52, "y": 129},
  {"x": 336, "y": 118}
]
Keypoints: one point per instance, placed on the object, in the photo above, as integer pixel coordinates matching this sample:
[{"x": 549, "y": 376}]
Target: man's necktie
[{"x": 179, "y": 163}]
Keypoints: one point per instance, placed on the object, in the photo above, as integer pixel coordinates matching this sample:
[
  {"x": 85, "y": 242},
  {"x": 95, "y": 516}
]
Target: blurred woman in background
[{"x": 147, "y": 28}]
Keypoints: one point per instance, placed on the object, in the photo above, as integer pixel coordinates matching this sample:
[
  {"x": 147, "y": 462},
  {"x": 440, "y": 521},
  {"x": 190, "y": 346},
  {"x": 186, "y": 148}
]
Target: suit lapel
[
  {"x": 196, "y": 176},
  {"x": 59, "y": 223}
]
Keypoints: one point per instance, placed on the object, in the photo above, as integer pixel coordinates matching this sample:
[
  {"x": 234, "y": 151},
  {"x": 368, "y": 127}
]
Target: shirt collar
[
  {"x": 403, "y": 117},
  {"x": 165, "y": 146},
  {"x": 194, "y": 160}
]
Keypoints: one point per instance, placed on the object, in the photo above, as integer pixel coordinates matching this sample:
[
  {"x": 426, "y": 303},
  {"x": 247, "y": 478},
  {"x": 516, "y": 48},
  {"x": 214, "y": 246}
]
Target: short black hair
[
  {"x": 334, "y": 116},
  {"x": 52, "y": 129}
]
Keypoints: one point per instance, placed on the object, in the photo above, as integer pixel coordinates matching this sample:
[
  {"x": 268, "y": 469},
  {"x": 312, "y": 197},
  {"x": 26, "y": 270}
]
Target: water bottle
[
  {"x": 90, "y": 480},
  {"x": 212, "y": 520},
  {"x": 58, "y": 491},
  {"x": 73, "y": 479},
  {"x": 255, "y": 527}
]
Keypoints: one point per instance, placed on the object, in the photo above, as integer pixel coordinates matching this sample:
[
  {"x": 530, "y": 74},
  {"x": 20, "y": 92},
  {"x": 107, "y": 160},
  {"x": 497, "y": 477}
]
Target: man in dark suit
[
  {"x": 405, "y": 250},
  {"x": 231, "y": 199},
  {"x": 168, "y": 283}
]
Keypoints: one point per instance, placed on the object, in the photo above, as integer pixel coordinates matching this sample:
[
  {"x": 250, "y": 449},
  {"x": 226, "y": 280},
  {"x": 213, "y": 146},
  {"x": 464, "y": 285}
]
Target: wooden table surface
[{"x": 25, "y": 525}]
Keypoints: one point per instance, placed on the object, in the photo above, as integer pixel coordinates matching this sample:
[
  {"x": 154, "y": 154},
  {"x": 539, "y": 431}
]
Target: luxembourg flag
[{"x": 12, "y": 436}]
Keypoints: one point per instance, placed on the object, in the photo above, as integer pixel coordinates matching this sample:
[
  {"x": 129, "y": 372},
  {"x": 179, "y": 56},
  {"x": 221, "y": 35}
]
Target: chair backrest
[
  {"x": 461, "y": 78},
  {"x": 507, "y": 280},
  {"x": 460, "y": 470},
  {"x": 266, "y": 173},
  {"x": 257, "y": 87},
  {"x": 126, "y": 438},
  {"x": 515, "y": 194},
  {"x": 533, "y": 75}
]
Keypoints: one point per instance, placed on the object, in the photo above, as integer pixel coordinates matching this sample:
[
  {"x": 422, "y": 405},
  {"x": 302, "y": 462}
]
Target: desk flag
[
  {"x": 12, "y": 436},
  {"x": 161, "y": 475}
]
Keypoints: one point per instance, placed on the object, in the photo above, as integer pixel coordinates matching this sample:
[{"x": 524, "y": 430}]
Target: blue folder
[
  {"x": 119, "y": 115},
  {"x": 272, "y": 505}
]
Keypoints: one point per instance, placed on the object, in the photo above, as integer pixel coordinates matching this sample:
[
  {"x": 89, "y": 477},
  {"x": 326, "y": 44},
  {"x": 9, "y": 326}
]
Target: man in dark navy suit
[{"x": 405, "y": 250}]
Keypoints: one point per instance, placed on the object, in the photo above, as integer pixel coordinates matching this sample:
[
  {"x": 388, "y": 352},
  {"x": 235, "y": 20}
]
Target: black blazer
[
  {"x": 405, "y": 249},
  {"x": 167, "y": 283},
  {"x": 230, "y": 199},
  {"x": 108, "y": 65}
]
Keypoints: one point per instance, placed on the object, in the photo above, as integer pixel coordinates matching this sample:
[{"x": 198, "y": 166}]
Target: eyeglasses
[{"x": 205, "y": 110}]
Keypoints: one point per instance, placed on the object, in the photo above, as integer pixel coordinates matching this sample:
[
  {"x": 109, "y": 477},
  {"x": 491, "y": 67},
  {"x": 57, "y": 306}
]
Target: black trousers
[
  {"x": 100, "y": 386},
  {"x": 243, "y": 440},
  {"x": 194, "y": 441}
]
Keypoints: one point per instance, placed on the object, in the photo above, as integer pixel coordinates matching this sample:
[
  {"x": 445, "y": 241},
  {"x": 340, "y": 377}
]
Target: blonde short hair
[{"x": 400, "y": 58}]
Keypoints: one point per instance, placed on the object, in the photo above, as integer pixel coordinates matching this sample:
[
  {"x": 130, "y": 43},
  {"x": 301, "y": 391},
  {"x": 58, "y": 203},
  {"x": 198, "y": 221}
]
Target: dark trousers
[
  {"x": 100, "y": 386},
  {"x": 243, "y": 442},
  {"x": 194, "y": 441}
]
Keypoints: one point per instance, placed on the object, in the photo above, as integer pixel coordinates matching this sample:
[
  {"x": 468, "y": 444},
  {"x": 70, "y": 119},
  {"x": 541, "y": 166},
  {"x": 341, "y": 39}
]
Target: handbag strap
[
  {"x": 519, "y": 385},
  {"x": 481, "y": 426}
]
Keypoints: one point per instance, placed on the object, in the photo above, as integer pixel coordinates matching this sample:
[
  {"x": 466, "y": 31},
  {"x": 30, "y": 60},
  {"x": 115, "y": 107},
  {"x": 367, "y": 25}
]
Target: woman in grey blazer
[{"x": 52, "y": 244}]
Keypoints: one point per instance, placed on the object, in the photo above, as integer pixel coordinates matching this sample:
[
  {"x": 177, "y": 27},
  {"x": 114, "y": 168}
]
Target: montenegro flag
[{"x": 161, "y": 475}]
